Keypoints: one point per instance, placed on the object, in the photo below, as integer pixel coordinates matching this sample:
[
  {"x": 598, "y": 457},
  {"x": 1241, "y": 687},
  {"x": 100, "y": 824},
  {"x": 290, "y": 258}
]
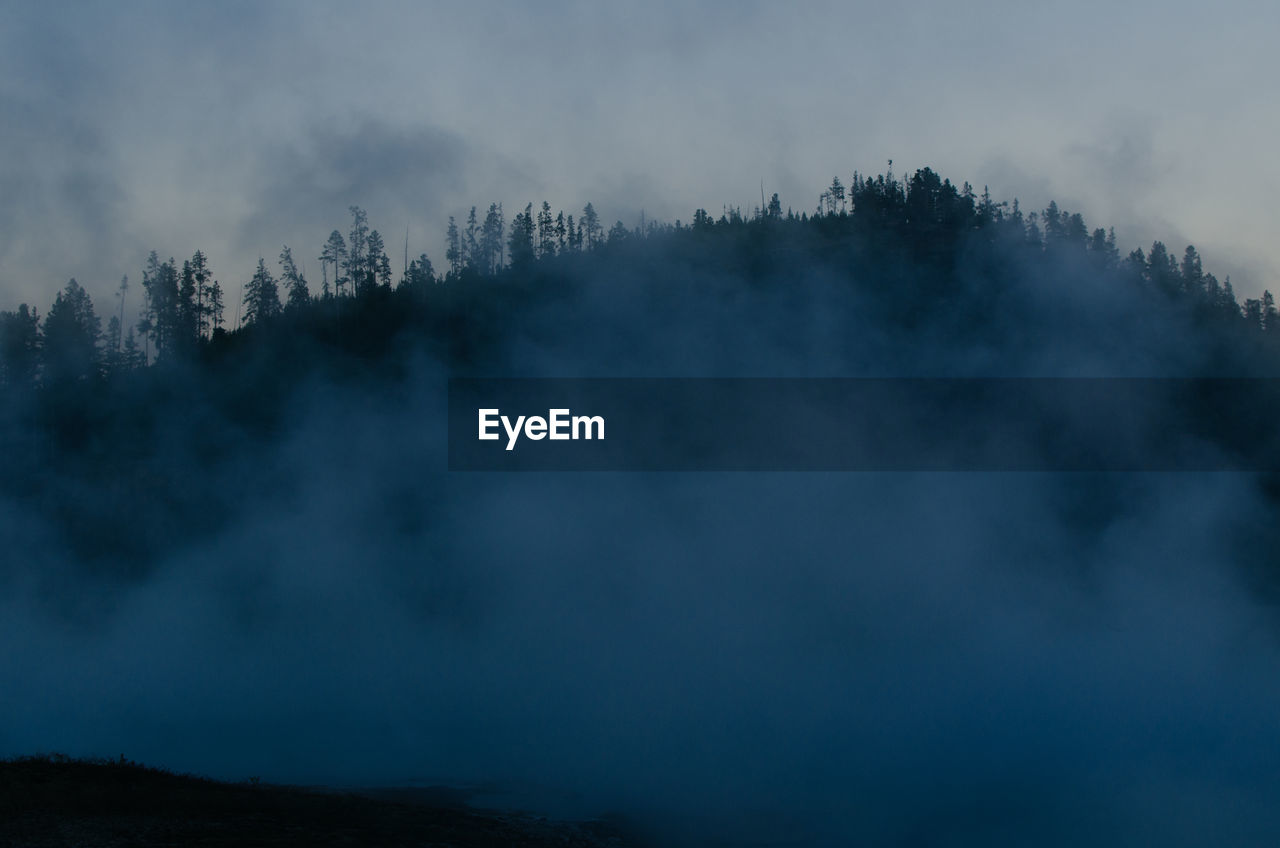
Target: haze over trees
[
  {"x": 924, "y": 218},
  {"x": 919, "y": 259}
]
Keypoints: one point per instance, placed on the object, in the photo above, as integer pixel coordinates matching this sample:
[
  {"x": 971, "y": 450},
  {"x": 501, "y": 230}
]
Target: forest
[
  {"x": 924, "y": 221},
  {"x": 233, "y": 544},
  {"x": 120, "y": 435}
]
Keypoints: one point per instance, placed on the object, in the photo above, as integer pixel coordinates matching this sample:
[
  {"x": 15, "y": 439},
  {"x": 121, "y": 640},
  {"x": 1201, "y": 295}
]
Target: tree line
[{"x": 184, "y": 307}]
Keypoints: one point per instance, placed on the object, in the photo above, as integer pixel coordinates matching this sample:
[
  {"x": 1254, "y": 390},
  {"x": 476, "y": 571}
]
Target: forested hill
[
  {"x": 914, "y": 248},
  {"x": 124, "y": 438}
]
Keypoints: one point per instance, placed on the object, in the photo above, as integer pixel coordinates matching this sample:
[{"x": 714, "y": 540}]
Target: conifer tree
[
  {"x": 160, "y": 282},
  {"x": 358, "y": 265},
  {"x": 19, "y": 346},
  {"x": 335, "y": 254},
  {"x": 261, "y": 296},
  {"x": 71, "y": 334},
  {"x": 453, "y": 249},
  {"x": 295, "y": 284}
]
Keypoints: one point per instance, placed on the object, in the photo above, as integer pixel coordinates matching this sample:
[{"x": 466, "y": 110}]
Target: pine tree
[
  {"x": 590, "y": 230},
  {"x": 1162, "y": 271},
  {"x": 1228, "y": 306},
  {"x": 188, "y": 310},
  {"x": 204, "y": 290},
  {"x": 1192, "y": 271},
  {"x": 574, "y": 235},
  {"x": 19, "y": 346},
  {"x": 472, "y": 259},
  {"x": 774, "y": 209},
  {"x": 1253, "y": 313},
  {"x": 160, "y": 281},
  {"x": 453, "y": 249},
  {"x": 546, "y": 232},
  {"x": 121, "y": 291},
  {"x": 358, "y": 265},
  {"x": 261, "y": 296},
  {"x": 131, "y": 356},
  {"x": 71, "y": 333},
  {"x": 520, "y": 243},
  {"x": 491, "y": 234},
  {"x": 214, "y": 307},
  {"x": 835, "y": 194},
  {"x": 377, "y": 269},
  {"x": 295, "y": 284},
  {"x": 421, "y": 275},
  {"x": 1055, "y": 229},
  {"x": 335, "y": 254},
  {"x": 111, "y": 356}
]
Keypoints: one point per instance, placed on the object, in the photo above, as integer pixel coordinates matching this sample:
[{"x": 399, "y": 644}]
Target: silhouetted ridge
[{"x": 135, "y": 439}]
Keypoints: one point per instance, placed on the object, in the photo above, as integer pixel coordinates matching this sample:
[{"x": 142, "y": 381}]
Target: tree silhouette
[
  {"x": 335, "y": 254},
  {"x": 71, "y": 334},
  {"x": 295, "y": 284},
  {"x": 19, "y": 346},
  {"x": 261, "y": 296}
]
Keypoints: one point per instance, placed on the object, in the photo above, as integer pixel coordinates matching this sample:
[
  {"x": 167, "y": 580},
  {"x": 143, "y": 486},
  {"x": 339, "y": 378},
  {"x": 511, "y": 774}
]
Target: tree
[
  {"x": 160, "y": 281},
  {"x": 335, "y": 253},
  {"x": 131, "y": 357},
  {"x": 188, "y": 329},
  {"x": 1136, "y": 264},
  {"x": 71, "y": 333},
  {"x": 774, "y": 210},
  {"x": 1162, "y": 271},
  {"x": 1228, "y": 306},
  {"x": 471, "y": 256},
  {"x": 491, "y": 234},
  {"x": 377, "y": 269},
  {"x": 1055, "y": 229},
  {"x": 295, "y": 284},
  {"x": 1102, "y": 249},
  {"x": 1033, "y": 235},
  {"x": 520, "y": 244},
  {"x": 573, "y": 235},
  {"x": 1193, "y": 281},
  {"x": 546, "y": 232},
  {"x": 213, "y": 307},
  {"x": 121, "y": 292},
  {"x": 453, "y": 249},
  {"x": 1075, "y": 232},
  {"x": 111, "y": 349},
  {"x": 420, "y": 274},
  {"x": 205, "y": 286},
  {"x": 19, "y": 346},
  {"x": 835, "y": 196},
  {"x": 358, "y": 265},
  {"x": 591, "y": 232},
  {"x": 261, "y": 296},
  {"x": 988, "y": 211},
  {"x": 1253, "y": 313}
]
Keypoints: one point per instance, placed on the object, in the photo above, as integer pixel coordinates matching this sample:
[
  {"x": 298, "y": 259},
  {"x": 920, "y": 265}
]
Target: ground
[{"x": 57, "y": 801}]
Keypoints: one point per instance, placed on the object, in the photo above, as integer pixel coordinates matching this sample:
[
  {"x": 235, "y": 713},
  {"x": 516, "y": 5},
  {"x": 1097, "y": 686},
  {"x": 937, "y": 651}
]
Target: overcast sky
[{"x": 237, "y": 127}]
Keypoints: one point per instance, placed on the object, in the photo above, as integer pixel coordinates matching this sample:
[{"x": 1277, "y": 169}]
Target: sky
[
  {"x": 819, "y": 647},
  {"x": 236, "y": 127}
]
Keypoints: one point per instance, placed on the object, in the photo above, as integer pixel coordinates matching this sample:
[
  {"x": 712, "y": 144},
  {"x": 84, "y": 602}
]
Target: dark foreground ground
[{"x": 50, "y": 801}]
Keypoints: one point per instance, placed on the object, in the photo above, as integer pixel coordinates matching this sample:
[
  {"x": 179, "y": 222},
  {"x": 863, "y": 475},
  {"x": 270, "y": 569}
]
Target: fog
[
  {"x": 234, "y": 128},
  {"x": 739, "y": 659}
]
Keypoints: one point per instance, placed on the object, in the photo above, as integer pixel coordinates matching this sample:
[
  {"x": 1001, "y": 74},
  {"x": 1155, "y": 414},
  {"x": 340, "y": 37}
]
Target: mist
[{"x": 737, "y": 659}]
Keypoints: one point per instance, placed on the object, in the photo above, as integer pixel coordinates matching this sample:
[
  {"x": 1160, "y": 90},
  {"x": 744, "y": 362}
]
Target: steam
[{"x": 726, "y": 659}]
